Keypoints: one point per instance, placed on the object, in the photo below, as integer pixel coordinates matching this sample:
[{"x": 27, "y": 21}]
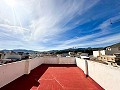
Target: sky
[{"x": 58, "y": 24}]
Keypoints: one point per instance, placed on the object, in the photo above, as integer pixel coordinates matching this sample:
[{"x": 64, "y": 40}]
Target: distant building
[
  {"x": 59, "y": 55},
  {"x": 117, "y": 56},
  {"x": 65, "y": 54},
  {"x": 24, "y": 55},
  {"x": 4, "y": 61},
  {"x": 2, "y": 55},
  {"x": 107, "y": 58},
  {"x": 84, "y": 56},
  {"x": 112, "y": 49},
  {"x": 72, "y": 54},
  {"x": 12, "y": 55},
  {"x": 32, "y": 55},
  {"x": 98, "y": 53},
  {"x": 111, "y": 54}
]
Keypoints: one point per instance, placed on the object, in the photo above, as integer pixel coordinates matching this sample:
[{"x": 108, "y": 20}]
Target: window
[{"x": 108, "y": 48}]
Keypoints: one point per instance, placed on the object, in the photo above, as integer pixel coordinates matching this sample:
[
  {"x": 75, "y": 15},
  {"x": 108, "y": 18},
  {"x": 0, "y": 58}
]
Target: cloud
[
  {"x": 53, "y": 15},
  {"x": 97, "y": 42},
  {"x": 43, "y": 24},
  {"x": 106, "y": 24}
]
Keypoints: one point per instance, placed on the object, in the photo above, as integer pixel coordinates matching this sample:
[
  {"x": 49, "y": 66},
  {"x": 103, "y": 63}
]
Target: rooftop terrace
[
  {"x": 53, "y": 73},
  {"x": 54, "y": 77}
]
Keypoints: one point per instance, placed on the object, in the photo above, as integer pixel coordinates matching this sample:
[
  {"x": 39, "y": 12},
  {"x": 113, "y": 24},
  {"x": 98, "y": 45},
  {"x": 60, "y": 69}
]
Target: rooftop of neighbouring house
[{"x": 54, "y": 77}]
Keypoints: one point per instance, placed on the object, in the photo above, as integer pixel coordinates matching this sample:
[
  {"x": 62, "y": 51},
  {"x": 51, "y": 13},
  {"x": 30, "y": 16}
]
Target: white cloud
[
  {"x": 35, "y": 22},
  {"x": 53, "y": 15},
  {"x": 97, "y": 42},
  {"x": 106, "y": 24}
]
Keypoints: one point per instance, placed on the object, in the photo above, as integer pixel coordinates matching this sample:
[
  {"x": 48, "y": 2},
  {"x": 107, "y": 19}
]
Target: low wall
[
  {"x": 57, "y": 60},
  {"x": 33, "y": 63},
  {"x": 11, "y": 71},
  {"x": 67, "y": 60},
  {"x": 51, "y": 60},
  {"x": 106, "y": 76},
  {"x": 81, "y": 64}
]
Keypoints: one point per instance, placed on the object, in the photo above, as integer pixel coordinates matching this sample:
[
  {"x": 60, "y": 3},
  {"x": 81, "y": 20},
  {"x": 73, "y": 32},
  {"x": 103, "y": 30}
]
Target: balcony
[{"x": 58, "y": 74}]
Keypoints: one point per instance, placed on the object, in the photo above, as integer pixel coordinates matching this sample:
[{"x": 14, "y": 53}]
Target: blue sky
[{"x": 58, "y": 24}]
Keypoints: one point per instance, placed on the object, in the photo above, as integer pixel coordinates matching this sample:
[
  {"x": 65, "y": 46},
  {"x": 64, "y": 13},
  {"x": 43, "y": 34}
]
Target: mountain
[
  {"x": 20, "y": 50},
  {"x": 115, "y": 45}
]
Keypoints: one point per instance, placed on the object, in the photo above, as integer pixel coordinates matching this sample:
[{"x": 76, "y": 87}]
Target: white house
[
  {"x": 98, "y": 53},
  {"x": 84, "y": 56}
]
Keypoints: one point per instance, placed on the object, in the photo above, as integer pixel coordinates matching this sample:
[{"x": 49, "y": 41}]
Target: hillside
[{"x": 115, "y": 45}]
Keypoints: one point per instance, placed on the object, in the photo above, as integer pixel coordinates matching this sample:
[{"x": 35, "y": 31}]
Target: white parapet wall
[
  {"x": 81, "y": 64},
  {"x": 11, "y": 71},
  {"x": 67, "y": 60},
  {"x": 106, "y": 76},
  {"x": 51, "y": 60},
  {"x": 59, "y": 60},
  {"x": 33, "y": 63}
]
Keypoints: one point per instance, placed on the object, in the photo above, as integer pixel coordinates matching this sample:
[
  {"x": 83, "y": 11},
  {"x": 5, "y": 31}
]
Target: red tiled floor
[{"x": 54, "y": 77}]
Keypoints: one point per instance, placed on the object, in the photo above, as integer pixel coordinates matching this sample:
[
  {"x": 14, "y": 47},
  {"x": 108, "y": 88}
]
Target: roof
[{"x": 54, "y": 77}]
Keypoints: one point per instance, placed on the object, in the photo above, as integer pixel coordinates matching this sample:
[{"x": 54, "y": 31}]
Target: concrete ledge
[
  {"x": 67, "y": 60},
  {"x": 105, "y": 75},
  {"x": 11, "y": 71}
]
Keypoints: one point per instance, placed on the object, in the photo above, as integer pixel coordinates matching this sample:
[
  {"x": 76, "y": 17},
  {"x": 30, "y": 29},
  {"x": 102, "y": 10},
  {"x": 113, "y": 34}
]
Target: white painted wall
[
  {"x": 11, "y": 71},
  {"x": 106, "y": 76},
  {"x": 81, "y": 64},
  {"x": 98, "y": 53},
  {"x": 51, "y": 60},
  {"x": 67, "y": 60},
  {"x": 33, "y": 63},
  {"x": 102, "y": 52},
  {"x": 95, "y": 53},
  {"x": 59, "y": 60}
]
